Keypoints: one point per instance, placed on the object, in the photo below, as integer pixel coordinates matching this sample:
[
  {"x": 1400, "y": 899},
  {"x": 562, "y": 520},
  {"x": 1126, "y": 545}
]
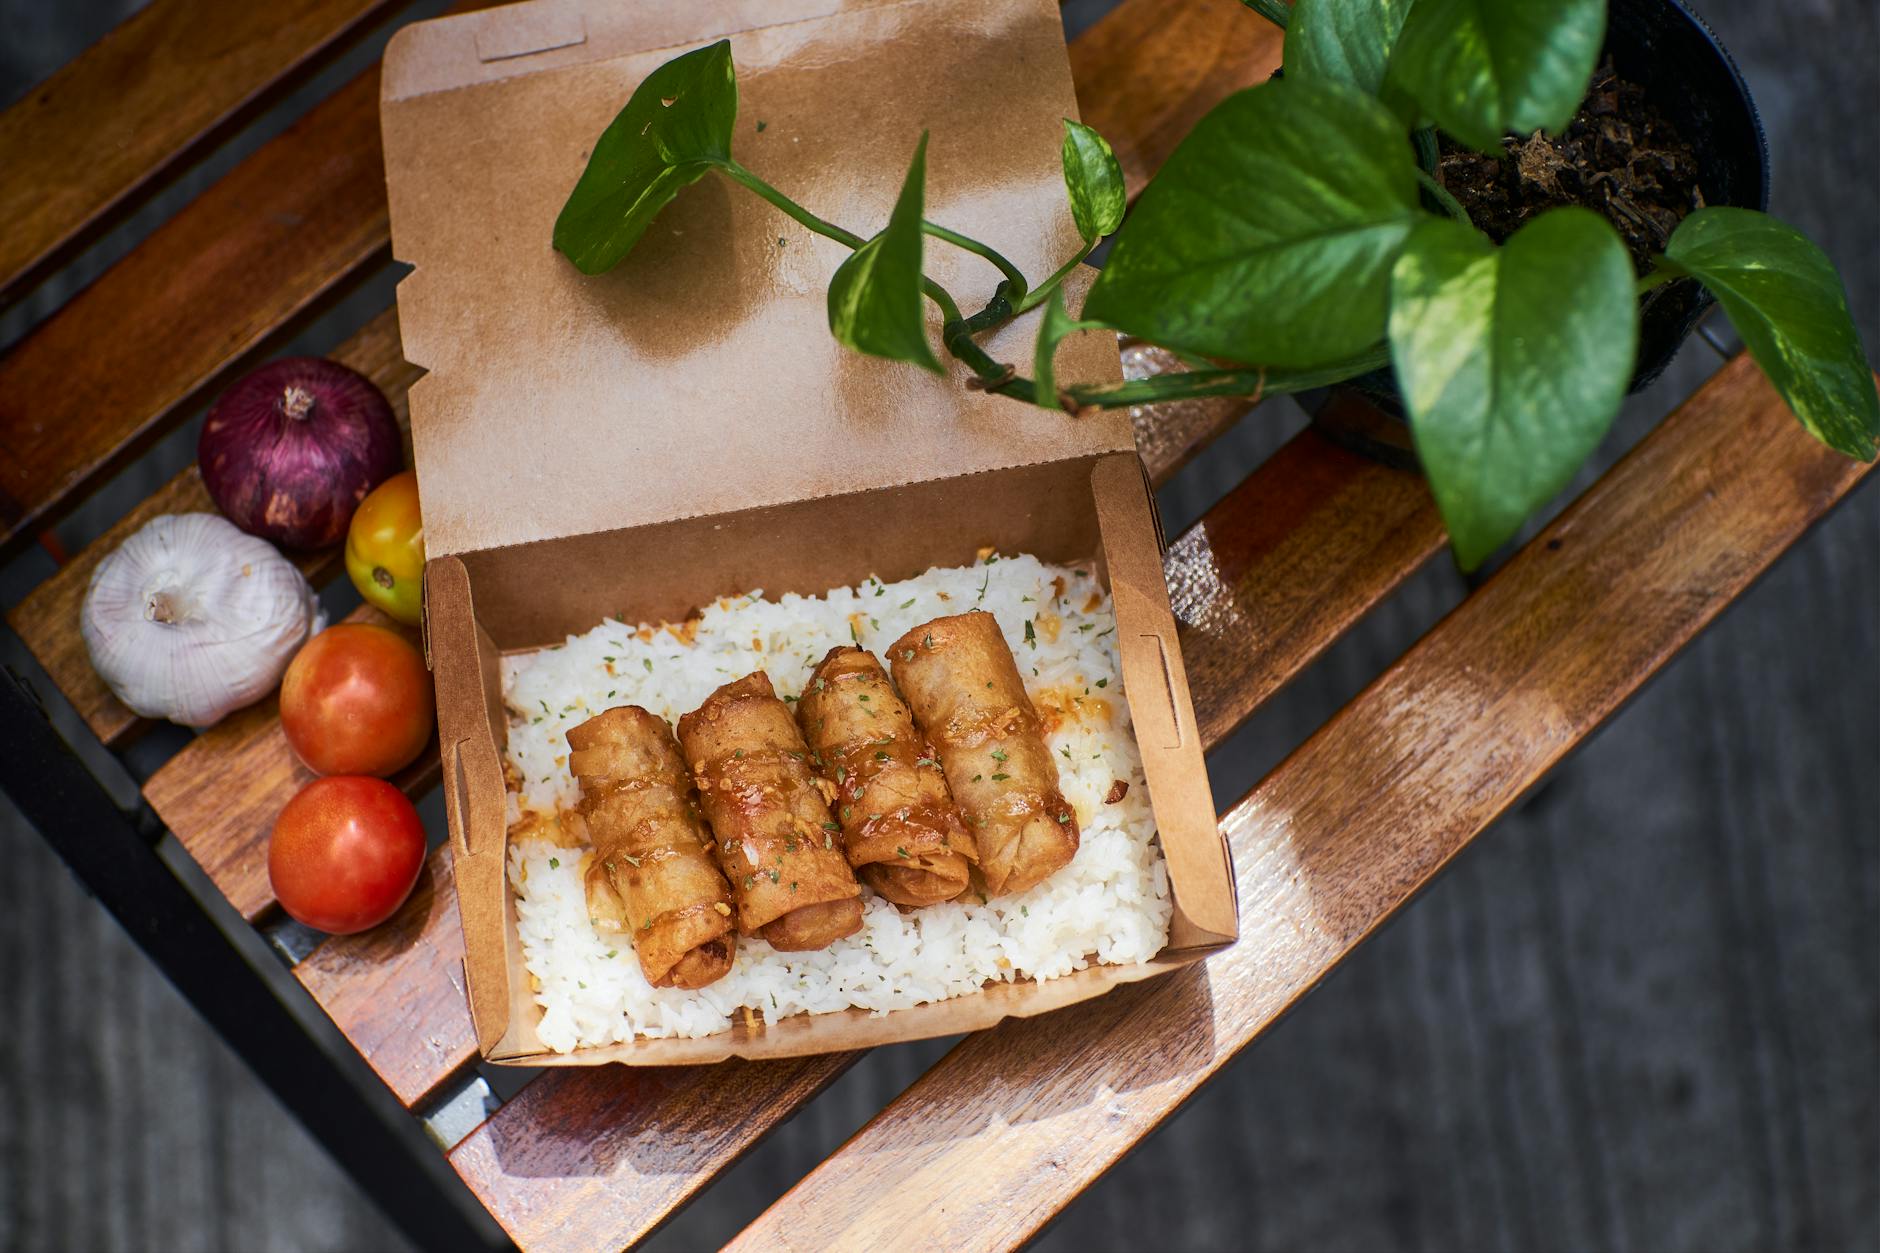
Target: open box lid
[{"x": 699, "y": 376}]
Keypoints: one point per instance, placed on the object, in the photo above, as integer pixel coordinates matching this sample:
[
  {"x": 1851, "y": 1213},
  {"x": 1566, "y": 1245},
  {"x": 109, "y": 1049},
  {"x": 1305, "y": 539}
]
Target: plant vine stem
[
  {"x": 956, "y": 330},
  {"x": 1656, "y": 278},
  {"x": 1043, "y": 291},
  {"x": 793, "y": 210},
  {"x": 1451, "y": 205},
  {"x": 1275, "y": 11},
  {"x": 1012, "y": 273},
  {"x": 1249, "y": 382}
]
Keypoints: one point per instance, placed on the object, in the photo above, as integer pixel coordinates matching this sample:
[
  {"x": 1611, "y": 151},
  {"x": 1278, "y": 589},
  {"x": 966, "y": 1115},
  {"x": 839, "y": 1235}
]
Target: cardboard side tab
[
  {"x": 471, "y": 732},
  {"x": 1160, "y": 706}
]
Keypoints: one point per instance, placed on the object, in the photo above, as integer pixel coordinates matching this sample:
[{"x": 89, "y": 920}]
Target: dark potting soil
[{"x": 1619, "y": 157}]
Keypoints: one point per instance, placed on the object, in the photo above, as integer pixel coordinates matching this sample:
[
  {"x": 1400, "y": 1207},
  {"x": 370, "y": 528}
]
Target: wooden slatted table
[{"x": 1326, "y": 848}]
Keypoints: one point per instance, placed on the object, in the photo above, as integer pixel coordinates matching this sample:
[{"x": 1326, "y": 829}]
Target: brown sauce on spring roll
[
  {"x": 900, "y": 829},
  {"x": 963, "y": 685},
  {"x": 775, "y": 835},
  {"x": 653, "y": 877}
]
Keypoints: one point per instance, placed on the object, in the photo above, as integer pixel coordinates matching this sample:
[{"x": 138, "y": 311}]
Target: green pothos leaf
[
  {"x": 1788, "y": 304},
  {"x": 1512, "y": 362},
  {"x": 1094, "y": 180},
  {"x": 675, "y": 127},
  {"x": 875, "y": 296},
  {"x": 1269, "y": 234},
  {"x": 1483, "y": 69},
  {"x": 1343, "y": 41}
]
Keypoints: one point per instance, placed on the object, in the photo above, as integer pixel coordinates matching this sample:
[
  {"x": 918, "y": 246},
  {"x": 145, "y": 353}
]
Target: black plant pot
[{"x": 1668, "y": 50}]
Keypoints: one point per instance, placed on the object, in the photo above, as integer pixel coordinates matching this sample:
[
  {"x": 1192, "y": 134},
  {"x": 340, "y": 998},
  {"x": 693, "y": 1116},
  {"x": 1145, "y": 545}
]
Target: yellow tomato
[{"x": 385, "y": 549}]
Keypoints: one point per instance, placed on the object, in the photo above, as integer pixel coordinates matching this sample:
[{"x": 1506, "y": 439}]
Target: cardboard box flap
[{"x": 699, "y": 376}]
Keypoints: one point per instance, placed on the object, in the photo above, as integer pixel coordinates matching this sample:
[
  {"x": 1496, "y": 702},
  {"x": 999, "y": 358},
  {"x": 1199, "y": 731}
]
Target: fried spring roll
[
  {"x": 900, "y": 829},
  {"x": 960, "y": 680},
  {"x": 653, "y": 876},
  {"x": 775, "y": 837}
]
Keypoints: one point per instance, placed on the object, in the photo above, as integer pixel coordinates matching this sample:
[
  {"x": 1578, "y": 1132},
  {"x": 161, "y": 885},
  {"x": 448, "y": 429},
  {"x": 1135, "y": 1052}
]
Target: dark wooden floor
[{"x": 1643, "y": 1013}]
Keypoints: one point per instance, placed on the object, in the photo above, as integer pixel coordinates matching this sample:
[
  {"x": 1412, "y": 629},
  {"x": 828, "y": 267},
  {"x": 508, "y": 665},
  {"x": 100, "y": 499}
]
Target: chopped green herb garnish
[
  {"x": 998, "y": 754},
  {"x": 1031, "y": 637},
  {"x": 613, "y": 952},
  {"x": 1000, "y": 778},
  {"x": 648, "y": 663},
  {"x": 608, "y": 659},
  {"x": 761, "y": 124},
  {"x": 738, "y": 753},
  {"x": 978, "y": 777},
  {"x": 1103, "y": 683},
  {"x": 776, "y": 876},
  {"x": 830, "y": 826},
  {"x": 554, "y": 863},
  {"x": 929, "y": 640},
  {"x": 907, "y": 602},
  {"x": 631, "y": 859},
  {"x": 1088, "y": 626},
  {"x": 880, "y": 756},
  {"x": 1025, "y": 911},
  {"x": 827, "y": 841},
  {"x": 874, "y": 624},
  {"x": 901, "y": 851},
  {"x": 1064, "y": 817},
  {"x": 882, "y": 591}
]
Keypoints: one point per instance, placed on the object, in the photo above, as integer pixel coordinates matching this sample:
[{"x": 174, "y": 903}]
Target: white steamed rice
[{"x": 1110, "y": 905}]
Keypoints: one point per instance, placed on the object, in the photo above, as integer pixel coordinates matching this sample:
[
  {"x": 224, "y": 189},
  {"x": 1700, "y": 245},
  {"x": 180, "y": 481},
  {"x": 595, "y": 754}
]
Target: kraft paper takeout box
[{"x": 683, "y": 427}]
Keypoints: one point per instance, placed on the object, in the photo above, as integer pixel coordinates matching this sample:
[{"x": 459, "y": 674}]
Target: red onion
[{"x": 291, "y": 449}]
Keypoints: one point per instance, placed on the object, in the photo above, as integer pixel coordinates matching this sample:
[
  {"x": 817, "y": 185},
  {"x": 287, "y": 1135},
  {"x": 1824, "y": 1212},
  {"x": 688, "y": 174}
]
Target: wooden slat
[
  {"x": 131, "y": 354},
  {"x": 397, "y": 991},
  {"x": 235, "y": 271},
  {"x": 1152, "y": 69},
  {"x": 168, "y": 82},
  {"x": 1346, "y": 830},
  {"x": 1290, "y": 559},
  {"x": 47, "y": 619}
]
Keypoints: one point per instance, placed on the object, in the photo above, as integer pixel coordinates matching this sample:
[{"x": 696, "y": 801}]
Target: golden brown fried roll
[
  {"x": 653, "y": 876},
  {"x": 775, "y": 837},
  {"x": 899, "y": 826},
  {"x": 960, "y": 680}
]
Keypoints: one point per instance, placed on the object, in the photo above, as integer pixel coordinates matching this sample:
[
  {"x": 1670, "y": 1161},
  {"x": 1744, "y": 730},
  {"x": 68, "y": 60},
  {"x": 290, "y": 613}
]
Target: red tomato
[
  {"x": 356, "y": 699},
  {"x": 345, "y": 853}
]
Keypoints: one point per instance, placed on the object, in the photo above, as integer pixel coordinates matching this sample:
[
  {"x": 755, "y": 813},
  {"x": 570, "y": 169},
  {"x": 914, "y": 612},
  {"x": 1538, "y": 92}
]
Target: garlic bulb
[{"x": 191, "y": 618}]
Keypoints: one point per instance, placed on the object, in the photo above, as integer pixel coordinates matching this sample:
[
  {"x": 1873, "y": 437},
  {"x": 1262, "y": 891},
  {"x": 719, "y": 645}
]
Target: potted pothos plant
[{"x": 1314, "y": 229}]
